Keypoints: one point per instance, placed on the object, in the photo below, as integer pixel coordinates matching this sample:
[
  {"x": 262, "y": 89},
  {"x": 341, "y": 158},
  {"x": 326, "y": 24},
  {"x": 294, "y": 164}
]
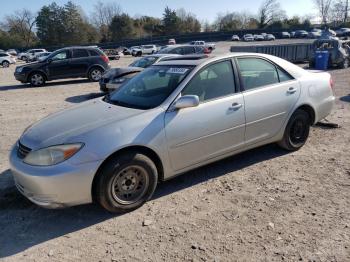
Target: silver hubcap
[
  {"x": 96, "y": 74},
  {"x": 130, "y": 185},
  {"x": 37, "y": 79},
  {"x": 5, "y": 64}
]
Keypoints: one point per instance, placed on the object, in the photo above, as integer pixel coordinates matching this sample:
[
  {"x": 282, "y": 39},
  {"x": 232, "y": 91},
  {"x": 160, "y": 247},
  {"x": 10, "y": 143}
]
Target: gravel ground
[{"x": 262, "y": 205}]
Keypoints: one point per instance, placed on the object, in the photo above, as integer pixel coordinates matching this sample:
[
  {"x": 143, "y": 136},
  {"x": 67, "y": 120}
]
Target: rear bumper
[{"x": 325, "y": 108}]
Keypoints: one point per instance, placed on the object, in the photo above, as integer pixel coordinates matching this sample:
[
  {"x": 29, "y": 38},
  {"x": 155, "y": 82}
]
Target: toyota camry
[{"x": 170, "y": 118}]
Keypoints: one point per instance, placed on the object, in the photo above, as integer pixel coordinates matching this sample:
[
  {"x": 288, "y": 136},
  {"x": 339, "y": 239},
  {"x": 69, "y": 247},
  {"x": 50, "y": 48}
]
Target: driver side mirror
[{"x": 186, "y": 102}]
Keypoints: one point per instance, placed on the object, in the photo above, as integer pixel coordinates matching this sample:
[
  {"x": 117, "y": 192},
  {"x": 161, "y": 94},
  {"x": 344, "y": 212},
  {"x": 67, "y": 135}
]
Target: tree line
[{"x": 55, "y": 25}]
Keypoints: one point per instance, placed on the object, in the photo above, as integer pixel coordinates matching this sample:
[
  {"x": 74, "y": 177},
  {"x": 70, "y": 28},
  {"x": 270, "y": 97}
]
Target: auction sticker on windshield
[{"x": 177, "y": 70}]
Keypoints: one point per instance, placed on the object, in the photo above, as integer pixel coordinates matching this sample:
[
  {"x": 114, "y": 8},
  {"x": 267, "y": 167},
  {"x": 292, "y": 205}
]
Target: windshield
[
  {"x": 149, "y": 88},
  {"x": 144, "y": 62}
]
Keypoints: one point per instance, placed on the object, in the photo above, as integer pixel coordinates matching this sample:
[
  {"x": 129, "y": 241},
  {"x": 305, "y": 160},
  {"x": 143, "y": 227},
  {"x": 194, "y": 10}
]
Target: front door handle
[
  {"x": 236, "y": 106},
  {"x": 291, "y": 90}
]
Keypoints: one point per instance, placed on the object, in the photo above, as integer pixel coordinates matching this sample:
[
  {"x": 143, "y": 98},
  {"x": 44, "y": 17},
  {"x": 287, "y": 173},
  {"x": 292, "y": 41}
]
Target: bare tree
[
  {"x": 21, "y": 24},
  {"x": 323, "y": 7},
  {"x": 103, "y": 15},
  {"x": 339, "y": 11},
  {"x": 270, "y": 11}
]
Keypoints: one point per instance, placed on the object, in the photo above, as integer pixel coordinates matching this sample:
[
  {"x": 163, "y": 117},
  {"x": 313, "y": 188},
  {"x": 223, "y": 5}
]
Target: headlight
[
  {"x": 118, "y": 80},
  {"x": 19, "y": 69},
  {"x": 52, "y": 155}
]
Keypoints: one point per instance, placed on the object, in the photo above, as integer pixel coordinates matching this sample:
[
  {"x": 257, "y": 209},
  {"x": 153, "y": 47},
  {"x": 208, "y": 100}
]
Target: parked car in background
[
  {"x": 171, "y": 41},
  {"x": 26, "y": 56},
  {"x": 210, "y": 46},
  {"x": 315, "y": 33},
  {"x": 343, "y": 32},
  {"x": 338, "y": 52},
  {"x": 270, "y": 37},
  {"x": 6, "y": 59},
  {"x": 301, "y": 34},
  {"x": 170, "y": 118},
  {"x": 184, "y": 50},
  {"x": 248, "y": 38},
  {"x": 292, "y": 34},
  {"x": 115, "y": 77},
  {"x": 144, "y": 50},
  {"x": 235, "y": 38},
  {"x": 71, "y": 62},
  {"x": 42, "y": 56},
  {"x": 285, "y": 35},
  {"x": 259, "y": 38},
  {"x": 12, "y": 52}
]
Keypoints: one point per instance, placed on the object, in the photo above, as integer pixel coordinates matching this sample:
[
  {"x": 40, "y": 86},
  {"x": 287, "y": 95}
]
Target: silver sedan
[{"x": 172, "y": 117}]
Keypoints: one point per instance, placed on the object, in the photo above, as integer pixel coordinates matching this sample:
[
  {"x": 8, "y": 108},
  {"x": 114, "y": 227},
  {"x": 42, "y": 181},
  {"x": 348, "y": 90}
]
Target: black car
[
  {"x": 70, "y": 62},
  {"x": 115, "y": 77}
]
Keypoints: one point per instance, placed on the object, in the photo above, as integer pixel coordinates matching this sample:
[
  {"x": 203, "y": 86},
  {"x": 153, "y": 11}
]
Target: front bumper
[
  {"x": 57, "y": 186},
  {"x": 22, "y": 77}
]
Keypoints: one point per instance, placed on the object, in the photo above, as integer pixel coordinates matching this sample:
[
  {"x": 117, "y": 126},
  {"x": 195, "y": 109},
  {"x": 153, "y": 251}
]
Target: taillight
[
  {"x": 331, "y": 83},
  {"x": 206, "y": 50},
  {"x": 105, "y": 58}
]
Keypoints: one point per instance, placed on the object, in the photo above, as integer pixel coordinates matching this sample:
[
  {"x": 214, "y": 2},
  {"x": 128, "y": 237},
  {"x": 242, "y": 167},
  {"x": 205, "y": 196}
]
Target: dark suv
[{"x": 70, "y": 62}]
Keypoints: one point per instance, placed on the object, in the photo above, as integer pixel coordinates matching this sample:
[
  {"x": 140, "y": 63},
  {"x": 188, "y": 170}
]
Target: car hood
[
  {"x": 65, "y": 126},
  {"x": 118, "y": 72}
]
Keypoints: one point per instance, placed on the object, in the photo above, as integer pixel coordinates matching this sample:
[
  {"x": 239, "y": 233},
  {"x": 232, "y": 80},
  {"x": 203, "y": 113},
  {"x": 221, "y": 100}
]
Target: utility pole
[{"x": 346, "y": 11}]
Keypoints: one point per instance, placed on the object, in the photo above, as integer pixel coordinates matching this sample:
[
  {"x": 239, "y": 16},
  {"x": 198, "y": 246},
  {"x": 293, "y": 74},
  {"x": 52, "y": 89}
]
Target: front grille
[{"x": 22, "y": 151}]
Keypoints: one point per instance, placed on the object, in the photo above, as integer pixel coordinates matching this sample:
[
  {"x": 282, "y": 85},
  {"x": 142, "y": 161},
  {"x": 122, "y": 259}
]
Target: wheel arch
[
  {"x": 95, "y": 66},
  {"x": 131, "y": 149},
  {"x": 37, "y": 71},
  {"x": 310, "y": 110}
]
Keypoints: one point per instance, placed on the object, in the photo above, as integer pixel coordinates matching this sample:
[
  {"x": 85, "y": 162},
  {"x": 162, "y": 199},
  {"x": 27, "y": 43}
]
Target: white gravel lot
[{"x": 262, "y": 205}]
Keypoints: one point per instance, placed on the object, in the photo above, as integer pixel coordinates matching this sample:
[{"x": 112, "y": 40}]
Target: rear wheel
[
  {"x": 95, "y": 74},
  {"x": 5, "y": 64},
  {"x": 297, "y": 131},
  {"x": 126, "y": 182},
  {"x": 37, "y": 79}
]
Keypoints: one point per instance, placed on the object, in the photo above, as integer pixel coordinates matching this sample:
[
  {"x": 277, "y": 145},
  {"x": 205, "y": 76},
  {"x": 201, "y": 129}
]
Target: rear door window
[
  {"x": 257, "y": 72},
  {"x": 79, "y": 53}
]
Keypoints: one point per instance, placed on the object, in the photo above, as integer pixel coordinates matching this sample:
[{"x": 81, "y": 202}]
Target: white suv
[
  {"x": 6, "y": 59},
  {"x": 30, "y": 54},
  {"x": 144, "y": 50}
]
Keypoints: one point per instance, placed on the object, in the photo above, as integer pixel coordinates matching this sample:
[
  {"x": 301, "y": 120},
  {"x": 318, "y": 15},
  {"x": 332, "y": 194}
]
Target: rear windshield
[{"x": 149, "y": 88}]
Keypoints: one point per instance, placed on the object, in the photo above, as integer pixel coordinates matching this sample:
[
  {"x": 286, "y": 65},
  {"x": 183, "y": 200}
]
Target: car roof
[
  {"x": 162, "y": 55},
  {"x": 294, "y": 70}
]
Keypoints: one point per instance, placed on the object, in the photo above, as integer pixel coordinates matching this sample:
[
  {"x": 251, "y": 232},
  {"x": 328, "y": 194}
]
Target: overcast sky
[{"x": 204, "y": 9}]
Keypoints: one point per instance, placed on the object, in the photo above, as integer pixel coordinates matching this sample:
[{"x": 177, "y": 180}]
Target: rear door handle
[
  {"x": 236, "y": 106},
  {"x": 291, "y": 90}
]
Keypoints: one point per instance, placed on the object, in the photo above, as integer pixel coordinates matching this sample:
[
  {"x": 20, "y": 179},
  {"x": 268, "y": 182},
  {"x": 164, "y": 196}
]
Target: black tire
[
  {"x": 345, "y": 64},
  {"x": 296, "y": 132},
  {"x": 95, "y": 74},
  {"x": 37, "y": 79},
  {"x": 112, "y": 184},
  {"x": 5, "y": 64},
  {"x": 311, "y": 64}
]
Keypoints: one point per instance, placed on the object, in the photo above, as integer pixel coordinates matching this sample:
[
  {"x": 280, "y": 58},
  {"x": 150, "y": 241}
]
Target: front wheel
[
  {"x": 37, "y": 79},
  {"x": 296, "y": 132},
  {"x": 95, "y": 74},
  {"x": 5, "y": 64},
  {"x": 126, "y": 182}
]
